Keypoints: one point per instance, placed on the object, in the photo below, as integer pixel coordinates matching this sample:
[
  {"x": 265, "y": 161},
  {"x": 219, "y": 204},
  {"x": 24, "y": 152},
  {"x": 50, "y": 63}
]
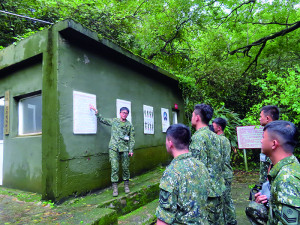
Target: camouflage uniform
[
  {"x": 205, "y": 146},
  {"x": 265, "y": 163},
  {"x": 121, "y": 143},
  {"x": 228, "y": 206},
  {"x": 257, "y": 213},
  {"x": 285, "y": 192},
  {"x": 183, "y": 192}
]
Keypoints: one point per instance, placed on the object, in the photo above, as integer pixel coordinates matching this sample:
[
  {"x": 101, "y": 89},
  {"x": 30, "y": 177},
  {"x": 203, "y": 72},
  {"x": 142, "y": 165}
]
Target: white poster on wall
[
  {"x": 165, "y": 121},
  {"x": 84, "y": 119},
  {"x": 148, "y": 119},
  {"x": 123, "y": 103}
]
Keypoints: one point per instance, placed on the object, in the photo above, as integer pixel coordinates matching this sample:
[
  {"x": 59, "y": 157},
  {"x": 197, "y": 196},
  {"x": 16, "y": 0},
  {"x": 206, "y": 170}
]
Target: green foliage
[
  {"x": 192, "y": 40},
  {"x": 50, "y": 203},
  {"x": 233, "y": 121},
  {"x": 283, "y": 90},
  {"x": 250, "y": 186}
]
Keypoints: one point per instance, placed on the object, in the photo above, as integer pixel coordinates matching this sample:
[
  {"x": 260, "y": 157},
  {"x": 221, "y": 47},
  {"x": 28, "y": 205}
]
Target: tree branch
[
  {"x": 235, "y": 10},
  {"x": 138, "y": 8},
  {"x": 263, "y": 40},
  {"x": 169, "y": 41},
  {"x": 283, "y": 24},
  {"x": 256, "y": 58}
]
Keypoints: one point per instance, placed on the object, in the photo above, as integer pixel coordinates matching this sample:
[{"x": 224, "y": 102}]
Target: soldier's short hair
[
  {"x": 204, "y": 111},
  {"x": 271, "y": 111},
  {"x": 124, "y": 108},
  {"x": 220, "y": 122},
  {"x": 180, "y": 135},
  {"x": 285, "y": 131},
  {"x": 211, "y": 128}
]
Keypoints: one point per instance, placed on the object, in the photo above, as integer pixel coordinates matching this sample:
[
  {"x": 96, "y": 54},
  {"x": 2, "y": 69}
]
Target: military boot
[
  {"x": 115, "y": 189},
  {"x": 126, "y": 186}
]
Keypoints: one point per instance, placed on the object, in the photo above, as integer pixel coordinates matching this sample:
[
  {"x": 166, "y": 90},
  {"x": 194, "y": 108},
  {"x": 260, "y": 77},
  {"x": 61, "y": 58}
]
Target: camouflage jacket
[
  {"x": 226, "y": 150},
  {"x": 206, "y": 146},
  {"x": 122, "y": 134},
  {"x": 183, "y": 192},
  {"x": 265, "y": 163},
  {"x": 285, "y": 192}
]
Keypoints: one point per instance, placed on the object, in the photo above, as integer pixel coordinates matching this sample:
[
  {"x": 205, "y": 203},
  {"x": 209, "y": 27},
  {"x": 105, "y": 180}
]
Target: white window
[{"x": 30, "y": 115}]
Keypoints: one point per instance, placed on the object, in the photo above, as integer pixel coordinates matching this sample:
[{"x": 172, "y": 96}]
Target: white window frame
[{"x": 21, "y": 128}]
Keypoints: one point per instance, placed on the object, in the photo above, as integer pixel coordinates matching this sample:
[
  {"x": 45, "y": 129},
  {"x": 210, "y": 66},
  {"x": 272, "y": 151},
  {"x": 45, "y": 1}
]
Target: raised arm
[{"x": 105, "y": 121}]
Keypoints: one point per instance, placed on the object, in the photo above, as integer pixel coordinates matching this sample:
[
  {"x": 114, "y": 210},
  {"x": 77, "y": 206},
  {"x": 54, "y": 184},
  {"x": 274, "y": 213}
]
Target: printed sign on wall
[
  {"x": 6, "y": 113},
  {"x": 84, "y": 119},
  {"x": 123, "y": 103},
  {"x": 165, "y": 121},
  {"x": 148, "y": 119}
]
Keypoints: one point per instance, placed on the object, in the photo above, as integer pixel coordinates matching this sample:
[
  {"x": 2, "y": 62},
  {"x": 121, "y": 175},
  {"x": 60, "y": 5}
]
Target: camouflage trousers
[
  {"x": 215, "y": 211},
  {"x": 228, "y": 206},
  {"x": 114, "y": 158}
]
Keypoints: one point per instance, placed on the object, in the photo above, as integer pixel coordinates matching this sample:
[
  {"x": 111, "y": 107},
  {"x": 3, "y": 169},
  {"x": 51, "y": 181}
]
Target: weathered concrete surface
[
  {"x": 143, "y": 215},
  {"x": 18, "y": 207}
]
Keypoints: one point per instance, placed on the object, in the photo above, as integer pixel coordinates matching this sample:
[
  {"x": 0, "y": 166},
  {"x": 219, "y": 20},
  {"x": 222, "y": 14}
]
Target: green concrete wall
[
  {"x": 22, "y": 166},
  {"x": 84, "y": 158}
]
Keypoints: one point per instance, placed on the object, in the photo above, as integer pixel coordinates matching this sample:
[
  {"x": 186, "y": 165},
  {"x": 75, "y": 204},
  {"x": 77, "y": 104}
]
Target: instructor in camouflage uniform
[
  {"x": 206, "y": 146},
  {"x": 278, "y": 143},
  {"x": 219, "y": 125},
  {"x": 185, "y": 183},
  {"x": 120, "y": 146},
  {"x": 268, "y": 114}
]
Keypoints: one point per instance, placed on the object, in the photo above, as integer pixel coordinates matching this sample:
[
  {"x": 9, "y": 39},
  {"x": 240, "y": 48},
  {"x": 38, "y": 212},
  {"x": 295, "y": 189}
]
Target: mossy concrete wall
[
  {"x": 20, "y": 74},
  {"x": 72, "y": 58}
]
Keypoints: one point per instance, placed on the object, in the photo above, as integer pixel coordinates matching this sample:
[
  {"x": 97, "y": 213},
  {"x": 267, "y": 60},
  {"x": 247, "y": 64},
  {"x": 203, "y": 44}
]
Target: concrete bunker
[{"x": 38, "y": 78}]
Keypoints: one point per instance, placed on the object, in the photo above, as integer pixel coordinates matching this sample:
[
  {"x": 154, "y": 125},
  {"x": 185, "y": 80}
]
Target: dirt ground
[
  {"x": 240, "y": 193},
  {"x": 18, "y": 207}
]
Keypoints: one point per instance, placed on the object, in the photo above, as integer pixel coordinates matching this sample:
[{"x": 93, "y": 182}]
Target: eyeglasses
[{"x": 125, "y": 113}]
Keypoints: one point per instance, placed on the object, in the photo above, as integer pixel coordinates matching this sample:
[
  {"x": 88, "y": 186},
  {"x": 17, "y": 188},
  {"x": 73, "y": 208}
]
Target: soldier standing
[
  {"x": 185, "y": 183},
  {"x": 206, "y": 146},
  {"x": 278, "y": 143},
  {"x": 120, "y": 146},
  {"x": 219, "y": 125},
  {"x": 268, "y": 114}
]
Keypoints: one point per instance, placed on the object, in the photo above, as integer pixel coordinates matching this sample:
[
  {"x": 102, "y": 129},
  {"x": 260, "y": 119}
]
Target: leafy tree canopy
[{"x": 225, "y": 53}]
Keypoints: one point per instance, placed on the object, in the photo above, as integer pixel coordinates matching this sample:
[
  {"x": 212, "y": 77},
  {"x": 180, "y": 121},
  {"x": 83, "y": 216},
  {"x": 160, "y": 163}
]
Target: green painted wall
[
  {"x": 22, "y": 166},
  {"x": 95, "y": 70}
]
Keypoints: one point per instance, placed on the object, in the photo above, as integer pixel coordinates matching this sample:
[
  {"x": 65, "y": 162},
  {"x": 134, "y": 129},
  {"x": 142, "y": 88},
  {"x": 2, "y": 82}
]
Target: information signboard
[
  {"x": 148, "y": 119},
  {"x": 84, "y": 119},
  {"x": 165, "y": 121},
  {"x": 6, "y": 113},
  {"x": 249, "y": 136}
]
